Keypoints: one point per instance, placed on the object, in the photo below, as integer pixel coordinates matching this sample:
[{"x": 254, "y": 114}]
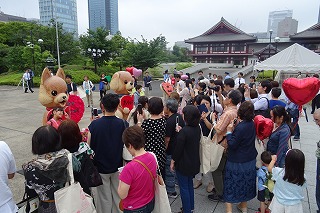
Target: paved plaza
[{"x": 21, "y": 114}]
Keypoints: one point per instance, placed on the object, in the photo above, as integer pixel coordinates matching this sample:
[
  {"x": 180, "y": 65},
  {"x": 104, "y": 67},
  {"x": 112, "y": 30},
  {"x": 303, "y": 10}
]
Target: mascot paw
[{"x": 126, "y": 110}]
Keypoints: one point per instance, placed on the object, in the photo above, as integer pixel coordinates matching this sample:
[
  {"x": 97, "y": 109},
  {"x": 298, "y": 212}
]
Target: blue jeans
[
  {"x": 169, "y": 176},
  {"x": 186, "y": 192},
  {"x": 148, "y": 208},
  {"x": 294, "y": 113},
  {"x": 318, "y": 185}
]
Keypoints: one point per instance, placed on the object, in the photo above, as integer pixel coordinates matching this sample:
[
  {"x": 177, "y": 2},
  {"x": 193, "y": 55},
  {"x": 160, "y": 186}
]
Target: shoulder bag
[
  {"x": 161, "y": 204},
  {"x": 28, "y": 205},
  {"x": 72, "y": 198},
  {"x": 210, "y": 153}
]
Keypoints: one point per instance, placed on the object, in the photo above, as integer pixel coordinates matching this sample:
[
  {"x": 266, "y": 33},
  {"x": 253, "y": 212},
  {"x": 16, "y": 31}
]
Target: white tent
[{"x": 293, "y": 59}]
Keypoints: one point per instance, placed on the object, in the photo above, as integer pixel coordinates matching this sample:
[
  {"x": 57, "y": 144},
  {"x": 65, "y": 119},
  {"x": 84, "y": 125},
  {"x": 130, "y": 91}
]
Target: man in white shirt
[
  {"x": 7, "y": 171},
  {"x": 181, "y": 83},
  {"x": 27, "y": 78},
  {"x": 239, "y": 80},
  {"x": 262, "y": 102}
]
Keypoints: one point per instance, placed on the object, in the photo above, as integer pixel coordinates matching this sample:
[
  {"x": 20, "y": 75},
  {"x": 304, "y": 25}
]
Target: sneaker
[
  {"x": 215, "y": 197},
  {"x": 210, "y": 187},
  {"x": 296, "y": 138},
  {"x": 173, "y": 195},
  {"x": 197, "y": 184}
]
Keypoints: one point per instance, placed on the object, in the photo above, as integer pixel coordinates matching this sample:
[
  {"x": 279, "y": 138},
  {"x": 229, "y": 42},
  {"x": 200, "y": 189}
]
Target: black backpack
[{"x": 265, "y": 113}]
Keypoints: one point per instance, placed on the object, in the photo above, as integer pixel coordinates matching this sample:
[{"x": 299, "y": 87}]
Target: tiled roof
[
  {"x": 311, "y": 32},
  {"x": 232, "y": 33},
  {"x": 266, "y": 49}
]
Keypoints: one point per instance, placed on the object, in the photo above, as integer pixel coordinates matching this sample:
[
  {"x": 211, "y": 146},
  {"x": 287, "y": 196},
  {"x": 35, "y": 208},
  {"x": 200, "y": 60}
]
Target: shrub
[
  {"x": 77, "y": 75},
  {"x": 181, "y": 66}
]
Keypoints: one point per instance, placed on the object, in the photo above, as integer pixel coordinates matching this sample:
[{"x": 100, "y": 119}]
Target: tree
[
  {"x": 145, "y": 54},
  {"x": 97, "y": 39},
  {"x": 181, "y": 54}
]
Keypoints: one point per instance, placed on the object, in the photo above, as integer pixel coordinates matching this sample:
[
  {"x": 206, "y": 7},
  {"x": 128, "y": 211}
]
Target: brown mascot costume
[{"x": 122, "y": 84}]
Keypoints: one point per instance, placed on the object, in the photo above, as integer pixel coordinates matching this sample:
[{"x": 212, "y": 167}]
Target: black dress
[{"x": 154, "y": 131}]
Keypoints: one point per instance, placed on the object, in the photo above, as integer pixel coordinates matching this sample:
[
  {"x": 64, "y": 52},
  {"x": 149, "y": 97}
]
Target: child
[
  {"x": 262, "y": 178},
  {"x": 290, "y": 183},
  {"x": 56, "y": 117},
  {"x": 137, "y": 94},
  {"x": 275, "y": 94}
]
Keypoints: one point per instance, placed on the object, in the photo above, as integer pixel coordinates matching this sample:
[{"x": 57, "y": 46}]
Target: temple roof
[
  {"x": 222, "y": 31},
  {"x": 311, "y": 32},
  {"x": 266, "y": 49}
]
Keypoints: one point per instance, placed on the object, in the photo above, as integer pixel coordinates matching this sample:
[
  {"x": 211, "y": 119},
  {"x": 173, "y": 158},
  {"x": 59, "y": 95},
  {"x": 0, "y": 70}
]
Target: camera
[{"x": 215, "y": 88}]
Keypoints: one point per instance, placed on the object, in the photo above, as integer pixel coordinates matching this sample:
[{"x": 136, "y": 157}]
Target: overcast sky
[{"x": 182, "y": 19}]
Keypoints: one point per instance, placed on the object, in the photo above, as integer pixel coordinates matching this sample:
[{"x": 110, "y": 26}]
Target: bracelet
[
  {"x": 139, "y": 122},
  {"x": 228, "y": 133}
]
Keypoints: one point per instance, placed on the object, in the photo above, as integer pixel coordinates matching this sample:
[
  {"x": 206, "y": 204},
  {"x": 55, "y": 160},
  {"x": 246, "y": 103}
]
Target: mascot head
[
  {"x": 52, "y": 91},
  {"x": 122, "y": 82}
]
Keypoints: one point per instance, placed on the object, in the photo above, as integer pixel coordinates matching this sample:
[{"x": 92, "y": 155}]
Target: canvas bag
[
  {"x": 161, "y": 204},
  {"x": 210, "y": 153},
  {"x": 260, "y": 148},
  {"x": 72, "y": 199}
]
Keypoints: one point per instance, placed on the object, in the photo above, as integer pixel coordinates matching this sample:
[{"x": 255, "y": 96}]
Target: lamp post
[
  {"x": 270, "y": 32},
  {"x": 96, "y": 53},
  {"x": 30, "y": 44},
  {"x": 276, "y": 41}
]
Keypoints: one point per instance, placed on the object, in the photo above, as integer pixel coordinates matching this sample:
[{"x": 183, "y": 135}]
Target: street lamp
[
  {"x": 270, "y": 32},
  {"x": 95, "y": 55},
  {"x": 31, "y": 45},
  {"x": 276, "y": 41}
]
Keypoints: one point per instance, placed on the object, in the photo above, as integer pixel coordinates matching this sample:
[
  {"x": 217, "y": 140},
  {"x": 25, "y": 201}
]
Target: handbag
[
  {"x": 210, "y": 153},
  {"x": 72, "y": 198},
  {"x": 161, "y": 201},
  {"x": 28, "y": 205},
  {"x": 90, "y": 172},
  {"x": 260, "y": 148}
]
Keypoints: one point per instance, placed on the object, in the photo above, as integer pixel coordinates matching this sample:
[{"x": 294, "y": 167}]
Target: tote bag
[
  {"x": 72, "y": 199},
  {"x": 260, "y": 148},
  {"x": 210, "y": 153},
  {"x": 161, "y": 204}
]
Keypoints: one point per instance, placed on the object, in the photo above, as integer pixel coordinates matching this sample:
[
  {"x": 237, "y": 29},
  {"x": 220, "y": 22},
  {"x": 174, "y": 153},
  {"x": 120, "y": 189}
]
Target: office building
[
  {"x": 7, "y": 18},
  {"x": 65, "y": 11},
  {"x": 104, "y": 14},
  {"x": 274, "y": 18},
  {"x": 287, "y": 27}
]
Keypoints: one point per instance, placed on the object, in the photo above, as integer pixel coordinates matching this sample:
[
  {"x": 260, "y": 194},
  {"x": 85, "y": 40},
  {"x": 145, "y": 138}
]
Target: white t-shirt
[
  {"x": 8, "y": 166},
  {"x": 182, "y": 84},
  {"x": 238, "y": 81}
]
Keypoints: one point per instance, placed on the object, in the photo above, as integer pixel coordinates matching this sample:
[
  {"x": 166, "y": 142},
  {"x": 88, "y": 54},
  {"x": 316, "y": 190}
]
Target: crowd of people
[{"x": 163, "y": 137}]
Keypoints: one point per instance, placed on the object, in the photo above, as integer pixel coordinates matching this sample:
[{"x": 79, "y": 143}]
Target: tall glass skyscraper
[
  {"x": 64, "y": 10},
  {"x": 274, "y": 18},
  {"x": 104, "y": 14}
]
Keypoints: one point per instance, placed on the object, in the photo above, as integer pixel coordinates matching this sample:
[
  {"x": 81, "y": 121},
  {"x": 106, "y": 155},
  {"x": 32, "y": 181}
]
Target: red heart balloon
[
  {"x": 130, "y": 70},
  {"x": 167, "y": 88},
  {"x": 301, "y": 91},
  {"x": 264, "y": 126}
]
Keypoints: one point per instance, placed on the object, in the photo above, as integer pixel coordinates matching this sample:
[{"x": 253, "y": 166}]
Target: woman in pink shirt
[{"x": 136, "y": 185}]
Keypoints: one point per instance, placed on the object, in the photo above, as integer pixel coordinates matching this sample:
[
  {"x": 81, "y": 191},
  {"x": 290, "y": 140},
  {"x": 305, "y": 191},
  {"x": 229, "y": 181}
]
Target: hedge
[{"x": 77, "y": 75}]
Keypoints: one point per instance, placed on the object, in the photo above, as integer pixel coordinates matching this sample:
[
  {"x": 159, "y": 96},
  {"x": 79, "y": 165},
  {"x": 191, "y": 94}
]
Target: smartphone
[
  {"x": 177, "y": 121},
  {"x": 235, "y": 121},
  {"x": 94, "y": 112},
  {"x": 203, "y": 108}
]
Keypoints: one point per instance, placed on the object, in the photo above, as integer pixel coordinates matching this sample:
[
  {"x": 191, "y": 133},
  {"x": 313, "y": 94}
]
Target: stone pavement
[{"x": 21, "y": 114}]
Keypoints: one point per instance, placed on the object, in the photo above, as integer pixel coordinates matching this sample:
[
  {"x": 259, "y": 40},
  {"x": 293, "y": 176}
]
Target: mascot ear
[
  {"x": 60, "y": 73},
  {"x": 45, "y": 75},
  {"x": 115, "y": 81}
]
